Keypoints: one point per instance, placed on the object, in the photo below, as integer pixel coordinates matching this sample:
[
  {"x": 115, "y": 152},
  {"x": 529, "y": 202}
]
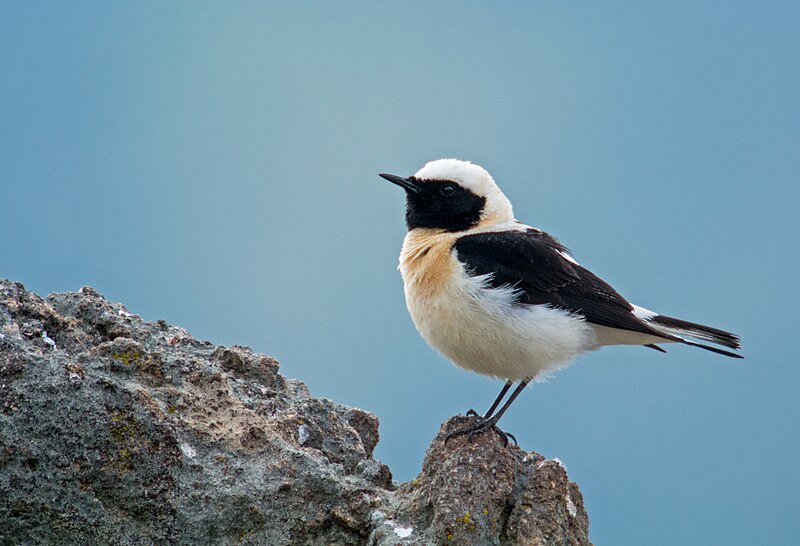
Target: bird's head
[{"x": 452, "y": 195}]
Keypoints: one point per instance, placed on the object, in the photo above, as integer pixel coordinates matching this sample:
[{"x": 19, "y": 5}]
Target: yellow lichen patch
[
  {"x": 123, "y": 431},
  {"x": 466, "y": 521},
  {"x": 119, "y": 428},
  {"x": 128, "y": 358},
  {"x": 123, "y": 457}
]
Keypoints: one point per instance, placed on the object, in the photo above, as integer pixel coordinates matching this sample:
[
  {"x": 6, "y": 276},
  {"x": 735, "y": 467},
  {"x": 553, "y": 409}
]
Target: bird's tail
[{"x": 681, "y": 329}]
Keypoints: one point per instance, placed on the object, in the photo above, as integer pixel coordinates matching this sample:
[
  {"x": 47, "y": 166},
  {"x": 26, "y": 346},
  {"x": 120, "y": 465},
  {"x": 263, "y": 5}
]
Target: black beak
[{"x": 404, "y": 183}]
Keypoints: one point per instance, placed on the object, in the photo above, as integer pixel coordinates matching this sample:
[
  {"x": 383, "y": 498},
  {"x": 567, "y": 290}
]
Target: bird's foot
[{"x": 480, "y": 426}]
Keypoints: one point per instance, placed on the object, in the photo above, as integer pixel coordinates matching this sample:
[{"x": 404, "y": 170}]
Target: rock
[
  {"x": 481, "y": 491},
  {"x": 116, "y": 430}
]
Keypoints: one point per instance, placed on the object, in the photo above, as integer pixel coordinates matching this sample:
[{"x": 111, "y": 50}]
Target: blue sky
[{"x": 215, "y": 165}]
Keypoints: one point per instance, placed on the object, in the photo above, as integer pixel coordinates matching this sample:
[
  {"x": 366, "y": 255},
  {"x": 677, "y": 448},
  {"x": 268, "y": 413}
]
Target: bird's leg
[
  {"x": 473, "y": 413},
  {"x": 491, "y": 422}
]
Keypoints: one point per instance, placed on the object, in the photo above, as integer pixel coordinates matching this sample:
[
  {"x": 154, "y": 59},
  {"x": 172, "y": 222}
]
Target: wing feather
[{"x": 532, "y": 262}]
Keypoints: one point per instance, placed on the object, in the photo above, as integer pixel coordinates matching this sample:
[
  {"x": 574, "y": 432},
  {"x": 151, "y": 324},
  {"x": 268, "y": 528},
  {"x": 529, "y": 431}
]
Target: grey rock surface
[{"x": 116, "y": 430}]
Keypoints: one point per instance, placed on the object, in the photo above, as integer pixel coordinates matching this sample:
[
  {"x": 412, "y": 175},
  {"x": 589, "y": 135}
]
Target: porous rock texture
[{"x": 116, "y": 430}]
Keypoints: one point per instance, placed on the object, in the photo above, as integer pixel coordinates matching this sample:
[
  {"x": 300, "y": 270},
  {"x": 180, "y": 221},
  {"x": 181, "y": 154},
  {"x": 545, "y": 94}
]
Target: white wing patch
[
  {"x": 567, "y": 257},
  {"x": 643, "y": 314}
]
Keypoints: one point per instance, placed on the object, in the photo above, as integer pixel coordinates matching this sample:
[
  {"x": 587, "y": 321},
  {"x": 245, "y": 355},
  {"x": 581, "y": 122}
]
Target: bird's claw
[{"x": 479, "y": 427}]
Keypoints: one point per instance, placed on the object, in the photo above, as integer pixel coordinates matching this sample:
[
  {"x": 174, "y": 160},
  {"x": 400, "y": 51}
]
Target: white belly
[{"x": 480, "y": 329}]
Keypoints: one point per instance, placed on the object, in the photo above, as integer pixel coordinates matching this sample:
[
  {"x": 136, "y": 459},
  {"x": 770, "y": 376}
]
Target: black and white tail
[{"x": 678, "y": 330}]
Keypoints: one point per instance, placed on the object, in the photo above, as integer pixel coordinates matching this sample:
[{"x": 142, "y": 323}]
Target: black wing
[{"x": 532, "y": 262}]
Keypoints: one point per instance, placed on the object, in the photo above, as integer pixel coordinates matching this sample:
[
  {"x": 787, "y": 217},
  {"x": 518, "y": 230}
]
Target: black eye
[{"x": 447, "y": 190}]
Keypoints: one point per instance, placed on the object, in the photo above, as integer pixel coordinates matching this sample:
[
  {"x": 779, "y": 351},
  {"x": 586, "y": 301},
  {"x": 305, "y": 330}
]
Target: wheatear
[{"x": 507, "y": 300}]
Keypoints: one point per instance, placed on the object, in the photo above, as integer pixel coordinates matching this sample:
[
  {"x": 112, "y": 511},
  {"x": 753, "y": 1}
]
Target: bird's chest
[
  {"x": 444, "y": 304},
  {"x": 455, "y": 313}
]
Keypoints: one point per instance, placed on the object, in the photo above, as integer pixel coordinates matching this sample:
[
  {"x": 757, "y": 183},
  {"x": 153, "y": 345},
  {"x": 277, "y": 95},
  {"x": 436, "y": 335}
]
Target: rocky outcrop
[{"x": 116, "y": 430}]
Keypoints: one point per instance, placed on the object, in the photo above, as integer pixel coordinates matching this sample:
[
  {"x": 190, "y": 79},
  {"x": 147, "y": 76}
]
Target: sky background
[{"x": 215, "y": 165}]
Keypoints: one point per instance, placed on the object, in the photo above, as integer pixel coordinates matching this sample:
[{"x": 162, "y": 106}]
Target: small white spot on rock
[
  {"x": 47, "y": 339},
  {"x": 302, "y": 434},
  {"x": 553, "y": 460},
  {"x": 188, "y": 451},
  {"x": 399, "y": 530},
  {"x": 125, "y": 314},
  {"x": 377, "y": 515},
  {"x": 573, "y": 511}
]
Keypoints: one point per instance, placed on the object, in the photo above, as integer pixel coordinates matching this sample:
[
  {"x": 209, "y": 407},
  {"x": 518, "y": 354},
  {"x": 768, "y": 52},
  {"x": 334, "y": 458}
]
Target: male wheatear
[{"x": 507, "y": 300}]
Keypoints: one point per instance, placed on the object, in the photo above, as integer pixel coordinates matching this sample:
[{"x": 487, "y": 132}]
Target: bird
[{"x": 507, "y": 300}]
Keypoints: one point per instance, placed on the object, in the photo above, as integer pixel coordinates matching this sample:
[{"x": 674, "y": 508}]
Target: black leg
[
  {"x": 490, "y": 421},
  {"x": 498, "y": 399},
  {"x": 511, "y": 399}
]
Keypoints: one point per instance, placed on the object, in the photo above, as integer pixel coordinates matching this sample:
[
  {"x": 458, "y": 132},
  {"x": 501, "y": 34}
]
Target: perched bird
[{"x": 507, "y": 300}]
